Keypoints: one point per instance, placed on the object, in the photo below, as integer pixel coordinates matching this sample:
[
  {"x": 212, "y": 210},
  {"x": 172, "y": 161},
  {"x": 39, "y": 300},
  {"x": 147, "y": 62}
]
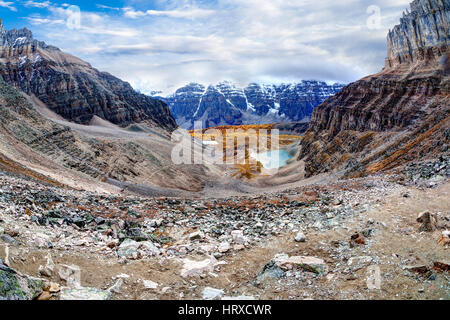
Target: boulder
[
  {"x": 128, "y": 249},
  {"x": 70, "y": 274},
  {"x": 15, "y": 286},
  {"x": 270, "y": 271}
]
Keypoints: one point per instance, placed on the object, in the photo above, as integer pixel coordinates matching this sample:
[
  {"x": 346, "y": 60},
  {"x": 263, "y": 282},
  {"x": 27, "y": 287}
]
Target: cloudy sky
[{"x": 162, "y": 45}]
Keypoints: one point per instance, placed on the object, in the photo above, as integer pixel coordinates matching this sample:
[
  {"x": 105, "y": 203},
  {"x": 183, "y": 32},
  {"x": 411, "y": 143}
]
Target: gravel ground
[{"x": 171, "y": 248}]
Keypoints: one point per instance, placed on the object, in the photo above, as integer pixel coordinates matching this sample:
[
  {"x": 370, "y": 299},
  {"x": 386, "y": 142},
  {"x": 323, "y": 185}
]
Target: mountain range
[
  {"x": 228, "y": 104},
  {"x": 71, "y": 87}
]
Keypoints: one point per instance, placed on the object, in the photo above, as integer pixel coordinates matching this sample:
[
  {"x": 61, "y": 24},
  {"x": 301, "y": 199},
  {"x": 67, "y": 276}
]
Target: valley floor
[{"x": 144, "y": 248}]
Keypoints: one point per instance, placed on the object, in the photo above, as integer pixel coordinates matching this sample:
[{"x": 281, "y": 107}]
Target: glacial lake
[{"x": 272, "y": 159}]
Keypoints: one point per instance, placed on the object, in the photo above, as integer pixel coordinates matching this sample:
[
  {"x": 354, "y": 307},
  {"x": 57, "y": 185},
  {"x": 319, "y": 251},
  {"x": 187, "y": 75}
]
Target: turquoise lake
[{"x": 273, "y": 159}]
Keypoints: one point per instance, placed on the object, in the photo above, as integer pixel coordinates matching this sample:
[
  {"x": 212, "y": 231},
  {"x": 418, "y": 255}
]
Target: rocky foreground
[{"x": 323, "y": 241}]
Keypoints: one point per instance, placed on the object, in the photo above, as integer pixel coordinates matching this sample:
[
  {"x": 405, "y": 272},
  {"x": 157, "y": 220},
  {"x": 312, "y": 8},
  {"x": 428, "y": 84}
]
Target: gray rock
[
  {"x": 128, "y": 249},
  {"x": 14, "y": 286},
  {"x": 270, "y": 271},
  {"x": 149, "y": 248},
  {"x": 8, "y": 239}
]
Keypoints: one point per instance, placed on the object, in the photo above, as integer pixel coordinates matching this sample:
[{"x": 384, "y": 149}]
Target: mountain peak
[{"x": 230, "y": 104}]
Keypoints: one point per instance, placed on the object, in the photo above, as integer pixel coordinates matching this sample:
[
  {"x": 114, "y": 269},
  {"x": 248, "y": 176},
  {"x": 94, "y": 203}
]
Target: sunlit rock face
[
  {"x": 228, "y": 104},
  {"x": 71, "y": 87},
  {"x": 422, "y": 33}
]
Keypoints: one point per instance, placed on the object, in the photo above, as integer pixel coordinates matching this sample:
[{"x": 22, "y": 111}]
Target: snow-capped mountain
[{"x": 228, "y": 104}]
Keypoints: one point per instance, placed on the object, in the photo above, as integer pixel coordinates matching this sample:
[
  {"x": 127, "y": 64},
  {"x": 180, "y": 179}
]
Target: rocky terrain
[
  {"x": 38, "y": 143},
  {"x": 400, "y": 114},
  {"x": 99, "y": 211},
  {"x": 71, "y": 87},
  {"x": 227, "y": 104},
  {"x": 317, "y": 241}
]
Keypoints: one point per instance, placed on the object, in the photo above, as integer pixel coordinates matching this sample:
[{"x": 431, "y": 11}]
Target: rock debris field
[{"x": 370, "y": 238}]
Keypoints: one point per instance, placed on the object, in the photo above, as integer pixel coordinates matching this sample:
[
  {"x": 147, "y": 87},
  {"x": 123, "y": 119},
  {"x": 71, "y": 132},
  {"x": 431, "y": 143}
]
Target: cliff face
[
  {"x": 423, "y": 33},
  {"x": 227, "y": 104},
  {"x": 71, "y": 87},
  {"x": 379, "y": 122}
]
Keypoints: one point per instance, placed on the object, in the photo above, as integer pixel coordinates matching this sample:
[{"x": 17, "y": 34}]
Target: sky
[{"x": 161, "y": 45}]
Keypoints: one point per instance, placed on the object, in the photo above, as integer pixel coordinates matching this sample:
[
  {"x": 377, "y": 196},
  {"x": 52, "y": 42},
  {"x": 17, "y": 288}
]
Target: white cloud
[
  {"x": 188, "y": 14},
  {"x": 36, "y": 4},
  {"x": 180, "y": 41},
  {"x": 9, "y": 5}
]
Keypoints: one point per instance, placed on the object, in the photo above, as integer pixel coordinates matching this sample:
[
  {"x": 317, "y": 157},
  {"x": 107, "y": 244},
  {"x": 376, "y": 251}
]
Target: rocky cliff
[
  {"x": 395, "y": 116},
  {"x": 227, "y": 104},
  {"x": 423, "y": 33},
  {"x": 71, "y": 87}
]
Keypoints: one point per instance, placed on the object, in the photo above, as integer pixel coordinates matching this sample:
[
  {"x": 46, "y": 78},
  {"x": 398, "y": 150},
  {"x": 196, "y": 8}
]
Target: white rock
[
  {"x": 148, "y": 284},
  {"x": 196, "y": 235},
  {"x": 6, "y": 262},
  {"x": 165, "y": 289},
  {"x": 84, "y": 294},
  {"x": 71, "y": 275},
  {"x": 238, "y": 237},
  {"x": 300, "y": 237},
  {"x": 128, "y": 249},
  {"x": 211, "y": 293},
  {"x": 224, "y": 247},
  {"x": 149, "y": 248},
  {"x": 196, "y": 268}
]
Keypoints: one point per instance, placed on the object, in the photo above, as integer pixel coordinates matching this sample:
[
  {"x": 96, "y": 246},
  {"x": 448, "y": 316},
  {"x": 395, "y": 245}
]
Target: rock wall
[
  {"x": 395, "y": 116},
  {"x": 423, "y": 33}
]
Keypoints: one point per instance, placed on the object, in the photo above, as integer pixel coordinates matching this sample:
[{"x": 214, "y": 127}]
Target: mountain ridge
[
  {"x": 229, "y": 104},
  {"x": 71, "y": 87},
  {"x": 386, "y": 120}
]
